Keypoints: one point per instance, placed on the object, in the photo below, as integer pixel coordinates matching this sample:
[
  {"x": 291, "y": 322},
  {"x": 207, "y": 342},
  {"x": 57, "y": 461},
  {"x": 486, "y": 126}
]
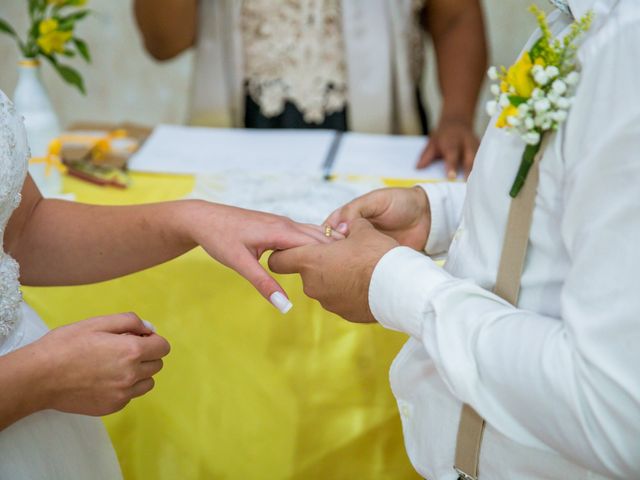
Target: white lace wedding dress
[{"x": 49, "y": 444}]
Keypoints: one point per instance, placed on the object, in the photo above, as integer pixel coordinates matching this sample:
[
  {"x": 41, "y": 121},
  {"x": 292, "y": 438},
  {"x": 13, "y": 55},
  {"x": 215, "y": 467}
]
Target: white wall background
[{"x": 123, "y": 83}]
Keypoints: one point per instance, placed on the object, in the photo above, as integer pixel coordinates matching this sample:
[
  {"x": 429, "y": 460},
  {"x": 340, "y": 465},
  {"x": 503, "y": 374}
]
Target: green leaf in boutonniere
[{"x": 535, "y": 94}]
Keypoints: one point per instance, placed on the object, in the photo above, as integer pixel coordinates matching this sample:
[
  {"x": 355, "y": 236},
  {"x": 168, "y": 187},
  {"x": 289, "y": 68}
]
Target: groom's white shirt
[{"x": 558, "y": 378}]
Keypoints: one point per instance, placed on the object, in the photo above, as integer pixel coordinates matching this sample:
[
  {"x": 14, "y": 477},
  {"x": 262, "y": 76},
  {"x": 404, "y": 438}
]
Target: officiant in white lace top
[
  {"x": 345, "y": 65},
  {"x": 555, "y": 372}
]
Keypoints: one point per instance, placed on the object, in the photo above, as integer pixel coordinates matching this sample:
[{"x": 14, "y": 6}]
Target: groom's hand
[
  {"x": 237, "y": 238},
  {"x": 401, "y": 213},
  {"x": 338, "y": 274}
]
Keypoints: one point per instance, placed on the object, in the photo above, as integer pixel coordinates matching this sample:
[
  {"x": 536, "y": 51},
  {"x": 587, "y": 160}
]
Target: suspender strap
[{"x": 514, "y": 251}]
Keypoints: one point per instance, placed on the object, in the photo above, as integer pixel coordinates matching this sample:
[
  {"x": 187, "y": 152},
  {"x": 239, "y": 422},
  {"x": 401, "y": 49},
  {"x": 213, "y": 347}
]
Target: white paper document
[
  {"x": 384, "y": 156},
  {"x": 195, "y": 150}
]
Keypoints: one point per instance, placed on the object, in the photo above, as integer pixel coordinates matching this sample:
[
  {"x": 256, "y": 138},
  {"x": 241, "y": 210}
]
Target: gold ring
[{"x": 328, "y": 231}]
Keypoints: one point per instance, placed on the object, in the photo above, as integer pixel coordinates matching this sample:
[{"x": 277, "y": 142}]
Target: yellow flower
[
  {"x": 509, "y": 111},
  {"x": 48, "y": 25},
  {"x": 52, "y": 40},
  {"x": 519, "y": 75}
]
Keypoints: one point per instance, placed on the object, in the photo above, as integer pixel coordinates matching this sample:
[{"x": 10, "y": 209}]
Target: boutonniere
[{"x": 535, "y": 93}]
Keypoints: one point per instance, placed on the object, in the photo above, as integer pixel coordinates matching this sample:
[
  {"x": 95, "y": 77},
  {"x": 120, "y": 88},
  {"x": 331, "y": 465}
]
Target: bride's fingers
[
  {"x": 337, "y": 221},
  {"x": 323, "y": 234},
  {"x": 249, "y": 267}
]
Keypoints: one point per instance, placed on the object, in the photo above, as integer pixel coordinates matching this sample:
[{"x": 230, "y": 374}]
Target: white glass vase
[{"x": 32, "y": 102}]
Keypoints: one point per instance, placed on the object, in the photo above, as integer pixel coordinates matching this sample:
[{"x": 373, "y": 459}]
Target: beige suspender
[{"x": 514, "y": 250}]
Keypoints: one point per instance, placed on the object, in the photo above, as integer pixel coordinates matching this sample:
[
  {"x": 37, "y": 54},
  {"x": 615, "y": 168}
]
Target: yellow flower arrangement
[
  {"x": 52, "y": 33},
  {"x": 52, "y": 40},
  {"x": 534, "y": 94}
]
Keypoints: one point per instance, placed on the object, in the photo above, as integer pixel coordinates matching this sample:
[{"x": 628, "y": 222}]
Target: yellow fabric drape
[{"x": 246, "y": 393}]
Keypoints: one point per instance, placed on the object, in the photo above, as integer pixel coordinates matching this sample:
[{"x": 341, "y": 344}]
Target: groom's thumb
[{"x": 251, "y": 269}]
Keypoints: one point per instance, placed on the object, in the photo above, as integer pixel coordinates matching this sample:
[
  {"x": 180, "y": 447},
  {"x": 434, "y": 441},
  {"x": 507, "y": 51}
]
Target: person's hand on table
[
  {"x": 401, "y": 213},
  {"x": 237, "y": 238},
  {"x": 96, "y": 366},
  {"x": 456, "y": 143},
  {"x": 338, "y": 274}
]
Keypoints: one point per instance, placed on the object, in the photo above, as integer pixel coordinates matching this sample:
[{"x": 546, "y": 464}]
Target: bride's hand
[
  {"x": 237, "y": 238},
  {"x": 96, "y": 366}
]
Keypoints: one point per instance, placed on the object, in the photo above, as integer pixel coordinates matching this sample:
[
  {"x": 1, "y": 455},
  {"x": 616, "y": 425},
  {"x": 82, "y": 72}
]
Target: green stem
[{"x": 528, "y": 157}]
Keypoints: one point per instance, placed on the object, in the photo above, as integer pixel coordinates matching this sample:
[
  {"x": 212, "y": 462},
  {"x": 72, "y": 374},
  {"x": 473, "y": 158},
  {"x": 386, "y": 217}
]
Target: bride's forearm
[
  {"x": 66, "y": 243},
  {"x": 21, "y": 373}
]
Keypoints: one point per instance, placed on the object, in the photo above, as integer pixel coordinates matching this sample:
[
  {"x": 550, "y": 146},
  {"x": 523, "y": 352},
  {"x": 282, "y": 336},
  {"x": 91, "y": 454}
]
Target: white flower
[
  {"x": 495, "y": 90},
  {"x": 513, "y": 121},
  {"x": 573, "y": 78},
  {"x": 546, "y": 123},
  {"x": 542, "y": 105},
  {"x": 492, "y": 108},
  {"x": 536, "y": 69},
  {"x": 563, "y": 103},
  {"x": 559, "y": 116},
  {"x": 537, "y": 94},
  {"x": 523, "y": 110},
  {"x": 504, "y": 100},
  {"x": 541, "y": 78},
  {"x": 531, "y": 138},
  {"x": 559, "y": 87},
  {"x": 529, "y": 123},
  {"x": 553, "y": 97},
  {"x": 493, "y": 73},
  {"x": 552, "y": 71}
]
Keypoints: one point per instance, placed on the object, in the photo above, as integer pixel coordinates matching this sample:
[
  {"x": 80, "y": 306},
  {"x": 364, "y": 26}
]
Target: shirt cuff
[
  {"x": 439, "y": 234},
  {"x": 401, "y": 288}
]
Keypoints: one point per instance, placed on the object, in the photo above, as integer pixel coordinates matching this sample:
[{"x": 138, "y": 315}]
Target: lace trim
[
  {"x": 14, "y": 154},
  {"x": 10, "y": 295},
  {"x": 294, "y": 50}
]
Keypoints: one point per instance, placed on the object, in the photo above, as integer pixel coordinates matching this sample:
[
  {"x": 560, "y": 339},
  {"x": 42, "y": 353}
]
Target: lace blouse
[
  {"x": 294, "y": 51},
  {"x": 14, "y": 154}
]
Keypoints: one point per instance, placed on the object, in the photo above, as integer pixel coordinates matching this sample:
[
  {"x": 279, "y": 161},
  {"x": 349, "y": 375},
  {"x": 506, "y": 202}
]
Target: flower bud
[
  {"x": 542, "y": 105},
  {"x": 513, "y": 121},
  {"x": 541, "y": 78},
  {"x": 493, "y": 73},
  {"x": 559, "y": 116},
  {"x": 573, "y": 78},
  {"x": 492, "y": 108},
  {"x": 531, "y": 138},
  {"x": 552, "y": 71},
  {"x": 559, "y": 87},
  {"x": 563, "y": 103}
]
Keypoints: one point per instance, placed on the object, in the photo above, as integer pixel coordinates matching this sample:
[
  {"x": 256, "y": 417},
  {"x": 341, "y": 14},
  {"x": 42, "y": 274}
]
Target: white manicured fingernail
[
  {"x": 342, "y": 228},
  {"x": 149, "y": 325},
  {"x": 281, "y": 302}
]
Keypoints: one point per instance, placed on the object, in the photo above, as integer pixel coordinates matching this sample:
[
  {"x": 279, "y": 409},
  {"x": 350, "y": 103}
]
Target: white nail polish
[
  {"x": 149, "y": 325},
  {"x": 342, "y": 228},
  {"x": 281, "y": 302}
]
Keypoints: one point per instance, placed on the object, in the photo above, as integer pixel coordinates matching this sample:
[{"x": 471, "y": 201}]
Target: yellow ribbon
[{"x": 50, "y": 161}]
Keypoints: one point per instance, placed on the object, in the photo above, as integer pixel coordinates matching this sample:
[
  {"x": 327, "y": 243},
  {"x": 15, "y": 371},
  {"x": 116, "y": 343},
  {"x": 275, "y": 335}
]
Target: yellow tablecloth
[{"x": 246, "y": 393}]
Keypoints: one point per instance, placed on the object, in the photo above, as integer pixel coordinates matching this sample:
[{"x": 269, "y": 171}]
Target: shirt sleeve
[
  {"x": 567, "y": 384},
  {"x": 446, "y": 200}
]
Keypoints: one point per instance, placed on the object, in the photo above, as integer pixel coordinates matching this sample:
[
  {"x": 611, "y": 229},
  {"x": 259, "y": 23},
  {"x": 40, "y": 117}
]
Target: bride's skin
[{"x": 89, "y": 367}]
